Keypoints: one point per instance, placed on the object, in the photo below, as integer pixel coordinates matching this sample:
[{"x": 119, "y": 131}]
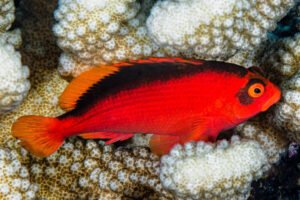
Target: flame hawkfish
[{"x": 176, "y": 100}]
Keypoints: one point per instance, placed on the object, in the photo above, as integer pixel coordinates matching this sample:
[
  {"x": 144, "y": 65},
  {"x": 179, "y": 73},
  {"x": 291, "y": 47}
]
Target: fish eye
[{"x": 256, "y": 90}]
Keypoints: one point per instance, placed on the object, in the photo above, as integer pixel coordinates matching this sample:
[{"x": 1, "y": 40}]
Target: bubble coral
[
  {"x": 210, "y": 171},
  {"x": 214, "y": 30}
]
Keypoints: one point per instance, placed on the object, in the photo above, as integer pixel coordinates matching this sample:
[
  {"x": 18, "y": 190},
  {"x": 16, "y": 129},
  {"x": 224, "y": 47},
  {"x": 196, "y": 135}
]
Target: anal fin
[{"x": 113, "y": 137}]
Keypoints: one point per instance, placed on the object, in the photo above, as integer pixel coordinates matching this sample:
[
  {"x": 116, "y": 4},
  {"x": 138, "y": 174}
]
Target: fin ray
[
  {"x": 38, "y": 134},
  {"x": 162, "y": 144},
  {"x": 113, "y": 137},
  {"x": 81, "y": 84}
]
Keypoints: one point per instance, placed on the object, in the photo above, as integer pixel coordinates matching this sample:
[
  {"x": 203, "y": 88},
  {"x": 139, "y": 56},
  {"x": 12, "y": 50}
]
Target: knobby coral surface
[
  {"x": 15, "y": 182},
  {"x": 282, "y": 63},
  {"x": 13, "y": 75},
  {"x": 90, "y": 170},
  {"x": 7, "y": 16},
  {"x": 101, "y": 32},
  {"x": 209, "y": 171},
  {"x": 273, "y": 142},
  {"x": 214, "y": 30},
  {"x": 14, "y": 84}
]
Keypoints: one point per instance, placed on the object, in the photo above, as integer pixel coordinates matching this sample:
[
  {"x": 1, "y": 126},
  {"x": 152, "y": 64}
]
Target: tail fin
[{"x": 38, "y": 134}]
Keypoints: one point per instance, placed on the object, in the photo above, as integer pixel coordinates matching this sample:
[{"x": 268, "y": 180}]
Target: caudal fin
[{"x": 38, "y": 134}]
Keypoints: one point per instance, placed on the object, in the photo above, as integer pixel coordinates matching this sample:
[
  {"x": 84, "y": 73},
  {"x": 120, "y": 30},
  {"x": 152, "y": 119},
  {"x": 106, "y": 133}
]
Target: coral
[
  {"x": 46, "y": 83},
  {"x": 12, "y": 37},
  {"x": 80, "y": 167},
  {"x": 281, "y": 62},
  {"x": 15, "y": 181},
  {"x": 209, "y": 171},
  {"x": 13, "y": 78},
  {"x": 36, "y": 19},
  {"x": 214, "y": 30},
  {"x": 283, "y": 180},
  {"x": 270, "y": 139},
  {"x": 7, "y": 15},
  {"x": 112, "y": 31},
  {"x": 13, "y": 75}
]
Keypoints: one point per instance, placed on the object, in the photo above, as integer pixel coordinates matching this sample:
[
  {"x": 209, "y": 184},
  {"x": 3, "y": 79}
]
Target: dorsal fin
[
  {"x": 86, "y": 80},
  {"x": 82, "y": 83},
  {"x": 102, "y": 81}
]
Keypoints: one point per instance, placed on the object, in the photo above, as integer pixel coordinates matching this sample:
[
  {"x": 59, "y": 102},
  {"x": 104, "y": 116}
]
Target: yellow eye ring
[{"x": 256, "y": 90}]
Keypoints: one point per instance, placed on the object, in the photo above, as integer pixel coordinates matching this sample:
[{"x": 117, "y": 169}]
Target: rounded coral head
[{"x": 257, "y": 94}]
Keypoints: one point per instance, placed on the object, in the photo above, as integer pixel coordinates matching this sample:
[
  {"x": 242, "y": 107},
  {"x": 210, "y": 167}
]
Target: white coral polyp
[
  {"x": 14, "y": 84},
  {"x": 198, "y": 169}
]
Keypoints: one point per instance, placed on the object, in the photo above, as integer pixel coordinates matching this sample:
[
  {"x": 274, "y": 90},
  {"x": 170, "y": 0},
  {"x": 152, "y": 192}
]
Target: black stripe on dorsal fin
[{"x": 132, "y": 74}]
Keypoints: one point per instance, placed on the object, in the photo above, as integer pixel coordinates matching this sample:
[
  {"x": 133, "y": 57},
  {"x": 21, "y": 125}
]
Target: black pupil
[{"x": 257, "y": 90}]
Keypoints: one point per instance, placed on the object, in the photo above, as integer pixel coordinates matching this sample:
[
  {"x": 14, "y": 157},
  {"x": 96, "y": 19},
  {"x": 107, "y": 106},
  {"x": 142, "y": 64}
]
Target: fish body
[{"x": 177, "y": 100}]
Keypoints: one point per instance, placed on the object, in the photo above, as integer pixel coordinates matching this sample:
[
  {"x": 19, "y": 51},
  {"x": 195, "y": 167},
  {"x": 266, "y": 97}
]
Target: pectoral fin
[
  {"x": 197, "y": 129},
  {"x": 162, "y": 144}
]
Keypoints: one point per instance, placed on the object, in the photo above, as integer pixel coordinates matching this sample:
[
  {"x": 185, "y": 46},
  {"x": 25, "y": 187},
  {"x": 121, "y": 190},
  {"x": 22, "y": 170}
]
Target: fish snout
[{"x": 272, "y": 100}]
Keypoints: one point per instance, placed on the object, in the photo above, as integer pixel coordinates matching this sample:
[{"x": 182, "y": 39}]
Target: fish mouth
[{"x": 274, "y": 99}]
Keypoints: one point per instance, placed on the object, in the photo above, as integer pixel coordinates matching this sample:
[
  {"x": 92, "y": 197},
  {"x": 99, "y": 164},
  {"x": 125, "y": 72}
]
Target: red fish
[{"x": 177, "y": 100}]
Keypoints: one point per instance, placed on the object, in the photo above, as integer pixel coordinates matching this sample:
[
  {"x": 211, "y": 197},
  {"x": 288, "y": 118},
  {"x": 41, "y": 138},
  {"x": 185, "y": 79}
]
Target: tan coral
[
  {"x": 214, "y": 30},
  {"x": 47, "y": 85},
  {"x": 282, "y": 64},
  {"x": 14, "y": 84},
  {"x": 213, "y": 171},
  {"x": 15, "y": 181},
  {"x": 89, "y": 40},
  {"x": 87, "y": 169},
  {"x": 273, "y": 141},
  {"x": 12, "y": 37},
  {"x": 86, "y": 26},
  {"x": 7, "y": 14}
]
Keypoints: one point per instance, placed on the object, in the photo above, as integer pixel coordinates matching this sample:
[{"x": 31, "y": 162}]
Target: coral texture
[
  {"x": 208, "y": 171},
  {"x": 282, "y": 63},
  {"x": 7, "y": 15},
  {"x": 41, "y": 57},
  {"x": 15, "y": 181},
  {"x": 112, "y": 31},
  {"x": 214, "y": 30},
  {"x": 80, "y": 167},
  {"x": 13, "y": 78},
  {"x": 270, "y": 139}
]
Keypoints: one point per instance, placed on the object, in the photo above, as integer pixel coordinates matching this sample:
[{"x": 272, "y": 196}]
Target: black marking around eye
[{"x": 243, "y": 96}]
